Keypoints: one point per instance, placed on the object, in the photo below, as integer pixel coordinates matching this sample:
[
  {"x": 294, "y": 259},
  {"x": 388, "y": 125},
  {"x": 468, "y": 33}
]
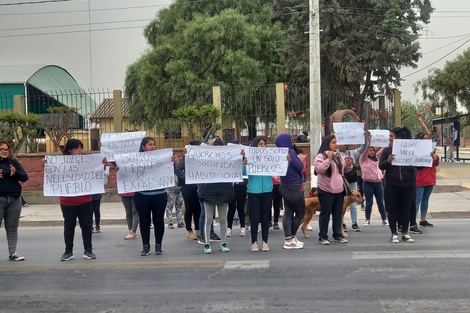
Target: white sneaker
[
  {"x": 300, "y": 243},
  {"x": 384, "y": 222},
  {"x": 292, "y": 245},
  {"x": 407, "y": 238},
  {"x": 229, "y": 232},
  {"x": 243, "y": 232},
  {"x": 367, "y": 223},
  {"x": 395, "y": 239}
]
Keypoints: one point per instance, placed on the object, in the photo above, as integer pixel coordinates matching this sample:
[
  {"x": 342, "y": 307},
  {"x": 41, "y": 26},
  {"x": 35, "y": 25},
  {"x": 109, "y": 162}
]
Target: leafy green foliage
[
  {"x": 200, "y": 120},
  {"x": 19, "y": 129},
  {"x": 409, "y": 116}
]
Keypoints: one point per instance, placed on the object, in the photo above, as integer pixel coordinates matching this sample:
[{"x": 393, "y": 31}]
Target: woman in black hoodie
[
  {"x": 11, "y": 174},
  {"x": 399, "y": 189}
]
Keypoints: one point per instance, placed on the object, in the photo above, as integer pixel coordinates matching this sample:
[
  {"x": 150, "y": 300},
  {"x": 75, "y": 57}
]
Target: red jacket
[{"x": 427, "y": 176}]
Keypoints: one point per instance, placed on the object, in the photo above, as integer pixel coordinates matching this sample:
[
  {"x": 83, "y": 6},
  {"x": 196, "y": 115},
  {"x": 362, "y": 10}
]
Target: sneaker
[
  {"x": 407, "y": 238},
  {"x": 207, "y": 249},
  {"x": 355, "y": 228},
  {"x": 229, "y": 232},
  {"x": 170, "y": 226},
  {"x": 324, "y": 241},
  {"x": 415, "y": 230},
  {"x": 345, "y": 228},
  {"x": 395, "y": 239},
  {"x": 16, "y": 257},
  {"x": 309, "y": 227},
  {"x": 243, "y": 232},
  {"x": 265, "y": 247},
  {"x": 201, "y": 241},
  {"x": 362, "y": 207},
  {"x": 276, "y": 226},
  {"x": 97, "y": 229},
  {"x": 25, "y": 204},
  {"x": 384, "y": 222},
  {"x": 214, "y": 237},
  {"x": 300, "y": 243},
  {"x": 89, "y": 255},
  {"x": 400, "y": 229},
  {"x": 254, "y": 247},
  {"x": 131, "y": 235},
  {"x": 341, "y": 239},
  {"x": 93, "y": 230},
  {"x": 181, "y": 225},
  {"x": 291, "y": 245},
  {"x": 145, "y": 251},
  {"x": 158, "y": 249},
  {"x": 425, "y": 224},
  {"x": 67, "y": 256},
  {"x": 223, "y": 247},
  {"x": 367, "y": 223}
]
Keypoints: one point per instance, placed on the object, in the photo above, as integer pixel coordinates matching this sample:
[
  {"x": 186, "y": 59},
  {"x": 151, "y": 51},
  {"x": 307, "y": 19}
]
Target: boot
[{"x": 190, "y": 236}]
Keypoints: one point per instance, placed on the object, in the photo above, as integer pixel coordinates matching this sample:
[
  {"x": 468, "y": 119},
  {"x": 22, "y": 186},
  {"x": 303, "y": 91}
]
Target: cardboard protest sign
[
  {"x": 213, "y": 164},
  {"x": 380, "y": 137},
  {"x": 113, "y": 144},
  {"x": 142, "y": 171},
  {"x": 266, "y": 161},
  {"x": 348, "y": 133},
  {"x": 412, "y": 152},
  {"x": 73, "y": 175}
]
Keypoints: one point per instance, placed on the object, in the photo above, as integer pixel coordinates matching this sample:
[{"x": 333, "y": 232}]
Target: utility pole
[{"x": 315, "y": 86}]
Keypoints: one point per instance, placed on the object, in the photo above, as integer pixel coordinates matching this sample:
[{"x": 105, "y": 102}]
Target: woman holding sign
[
  {"x": 151, "y": 206},
  {"x": 11, "y": 174},
  {"x": 76, "y": 207},
  {"x": 330, "y": 167},
  {"x": 399, "y": 189}
]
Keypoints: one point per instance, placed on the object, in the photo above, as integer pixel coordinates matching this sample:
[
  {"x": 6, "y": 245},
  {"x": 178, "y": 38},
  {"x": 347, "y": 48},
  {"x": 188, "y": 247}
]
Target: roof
[{"x": 106, "y": 109}]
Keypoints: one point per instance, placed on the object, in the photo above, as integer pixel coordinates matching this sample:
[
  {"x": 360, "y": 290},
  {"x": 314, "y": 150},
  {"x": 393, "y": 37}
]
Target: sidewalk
[{"x": 450, "y": 199}]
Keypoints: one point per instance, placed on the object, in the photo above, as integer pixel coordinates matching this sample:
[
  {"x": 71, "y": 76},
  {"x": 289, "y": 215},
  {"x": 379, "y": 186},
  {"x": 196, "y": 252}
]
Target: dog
[{"x": 312, "y": 205}]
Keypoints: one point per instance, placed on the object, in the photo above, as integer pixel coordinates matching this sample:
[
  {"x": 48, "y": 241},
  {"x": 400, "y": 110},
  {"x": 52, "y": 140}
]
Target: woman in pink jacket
[
  {"x": 372, "y": 182},
  {"x": 425, "y": 181}
]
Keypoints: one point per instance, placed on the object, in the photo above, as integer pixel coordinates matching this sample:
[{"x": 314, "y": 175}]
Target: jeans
[
  {"x": 422, "y": 200},
  {"x": 70, "y": 214},
  {"x": 132, "y": 217},
  {"x": 10, "y": 211},
  {"x": 376, "y": 189},
  {"x": 352, "y": 207}
]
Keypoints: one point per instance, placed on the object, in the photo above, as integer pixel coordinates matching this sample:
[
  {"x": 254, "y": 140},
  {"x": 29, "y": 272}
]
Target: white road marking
[
  {"x": 410, "y": 254},
  {"x": 235, "y": 306},
  {"x": 246, "y": 265}
]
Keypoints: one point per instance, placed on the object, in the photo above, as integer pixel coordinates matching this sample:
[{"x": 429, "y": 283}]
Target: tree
[
  {"x": 171, "y": 129},
  {"x": 19, "y": 129},
  {"x": 364, "y": 43},
  {"x": 200, "y": 44},
  {"x": 409, "y": 116},
  {"x": 201, "y": 121},
  {"x": 449, "y": 86},
  {"x": 58, "y": 124}
]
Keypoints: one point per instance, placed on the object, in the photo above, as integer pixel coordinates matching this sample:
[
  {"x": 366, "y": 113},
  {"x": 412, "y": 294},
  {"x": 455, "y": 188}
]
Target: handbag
[{"x": 347, "y": 187}]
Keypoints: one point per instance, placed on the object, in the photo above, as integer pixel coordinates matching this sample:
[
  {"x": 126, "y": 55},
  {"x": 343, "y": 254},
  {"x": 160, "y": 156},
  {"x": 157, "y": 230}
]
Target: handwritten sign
[
  {"x": 73, "y": 175},
  {"x": 266, "y": 161},
  {"x": 348, "y": 133},
  {"x": 113, "y": 144},
  {"x": 380, "y": 138},
  {"x": 142, "y": 171},
  {"x": 213, "y": 164},
  {"x": 414, "y": 152}
]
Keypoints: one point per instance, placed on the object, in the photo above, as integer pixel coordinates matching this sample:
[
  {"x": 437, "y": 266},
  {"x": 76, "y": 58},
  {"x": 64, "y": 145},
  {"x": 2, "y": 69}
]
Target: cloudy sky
[{"x": 95, "y": 40}]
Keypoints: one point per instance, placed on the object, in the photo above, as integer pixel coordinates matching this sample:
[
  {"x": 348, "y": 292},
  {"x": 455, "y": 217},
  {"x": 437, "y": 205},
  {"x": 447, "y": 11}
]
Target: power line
[
  {"x": 35, "y": 2},
  {"x": 436, "y": 60},
  {"x": 445, "y": 46},
  {"x": 72, "y": 31}
]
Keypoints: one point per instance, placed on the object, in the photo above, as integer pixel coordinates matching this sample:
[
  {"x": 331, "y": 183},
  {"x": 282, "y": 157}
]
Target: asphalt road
[{"x": 369, "y": 274}]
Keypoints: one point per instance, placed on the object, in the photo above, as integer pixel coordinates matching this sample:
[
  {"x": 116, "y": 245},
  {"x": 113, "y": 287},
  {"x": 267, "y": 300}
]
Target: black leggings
[
  {"x": 294, "y": 209},
  {"x": 277, "y": 204},
  {"x": 193, "y": 207},
  {"x": 400, "y": 199},
  {"x": 151, "y": 208},
  {"x": 238, "y": 203}
]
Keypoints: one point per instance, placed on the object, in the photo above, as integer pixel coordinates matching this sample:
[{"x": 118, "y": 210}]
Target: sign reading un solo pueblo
[
  {"x": 143, "y": 171},
  {"x": 113, "y": 144},
  {"x": 213, "y": 164},
  {"x": 73, "y": 175},
  {"x": 266, "y": 161}
]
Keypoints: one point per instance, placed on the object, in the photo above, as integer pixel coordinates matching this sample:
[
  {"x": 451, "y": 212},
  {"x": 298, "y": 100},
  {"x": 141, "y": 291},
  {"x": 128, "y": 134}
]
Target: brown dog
[{"x": 312, "y": 205}]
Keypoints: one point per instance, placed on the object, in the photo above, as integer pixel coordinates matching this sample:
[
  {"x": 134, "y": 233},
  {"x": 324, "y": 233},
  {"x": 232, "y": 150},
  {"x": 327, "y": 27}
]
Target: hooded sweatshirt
[
  {"x": 294, "y": 175},
  {"x": 9, "y": 184}
]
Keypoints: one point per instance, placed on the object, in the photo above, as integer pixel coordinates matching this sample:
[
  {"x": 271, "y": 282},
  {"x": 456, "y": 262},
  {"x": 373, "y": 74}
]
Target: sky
[{"x": 95, "y": 40}]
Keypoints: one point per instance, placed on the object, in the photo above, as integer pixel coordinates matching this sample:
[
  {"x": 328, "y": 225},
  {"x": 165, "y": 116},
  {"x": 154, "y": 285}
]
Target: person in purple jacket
[
  {"x": 291, "y": 191},
  {"x": 330, "y": 167}
]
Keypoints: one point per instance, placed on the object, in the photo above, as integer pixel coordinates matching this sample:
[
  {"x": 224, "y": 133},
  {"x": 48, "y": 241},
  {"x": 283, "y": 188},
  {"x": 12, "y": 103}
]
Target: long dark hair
[
  {"x": 256, "y": 140},
  {"x": 144, "y": 142},
  {"x": 72, "y": 144},
  {"x": 401, "y": 132},
  {"x": 325, "y": 146}
]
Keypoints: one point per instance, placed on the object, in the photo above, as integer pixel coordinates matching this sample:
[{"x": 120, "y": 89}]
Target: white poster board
[
  {"x": 380, "y": 137},
  {"x": 213, "y": 164},
  {"x": 142, "y": 171},
  {"x": 266, "y": 161},
  {"x": 414, "y": 152},
  {"x": 113, "y": 144},
  {"x": 73, "y": 175},
  {"x": 348, "y": 133}
]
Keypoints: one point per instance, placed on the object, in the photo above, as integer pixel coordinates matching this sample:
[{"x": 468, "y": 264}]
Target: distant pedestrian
[
  {"x": 175, "y": 199},
  {"x": 11, "y": 174},
  {"x": 96, "y": 204}
]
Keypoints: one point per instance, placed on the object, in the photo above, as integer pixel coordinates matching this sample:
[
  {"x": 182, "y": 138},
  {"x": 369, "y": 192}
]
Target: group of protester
[{"x": 402, "y": 191}]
